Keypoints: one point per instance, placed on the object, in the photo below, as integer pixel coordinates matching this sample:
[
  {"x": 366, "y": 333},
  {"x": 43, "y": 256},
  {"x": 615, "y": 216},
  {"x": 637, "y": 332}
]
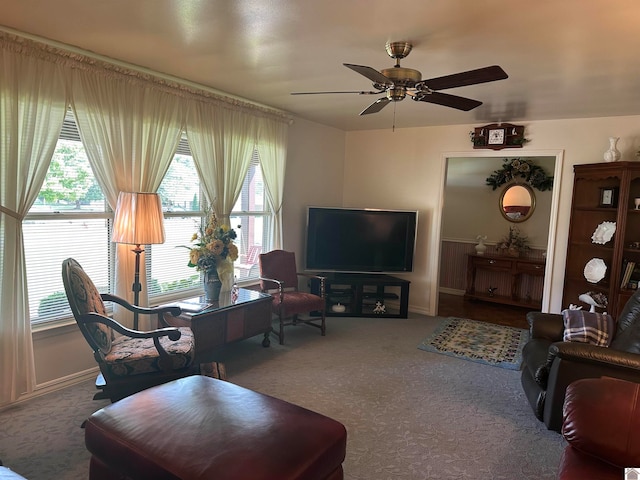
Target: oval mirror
[{"x": 517, "y": 202}]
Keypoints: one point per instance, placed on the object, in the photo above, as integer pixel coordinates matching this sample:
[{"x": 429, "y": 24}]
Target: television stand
[{"x": 365, "y": 295}]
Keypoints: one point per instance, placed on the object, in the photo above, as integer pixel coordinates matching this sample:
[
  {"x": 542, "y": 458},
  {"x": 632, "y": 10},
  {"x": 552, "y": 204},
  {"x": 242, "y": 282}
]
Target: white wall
[
  {"x": 314, "y": 176},
  {"x": 404, "y": 169}
]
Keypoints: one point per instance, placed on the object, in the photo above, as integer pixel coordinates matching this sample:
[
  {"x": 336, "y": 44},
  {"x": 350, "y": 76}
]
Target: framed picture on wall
[{"x": 608, "y": 197}]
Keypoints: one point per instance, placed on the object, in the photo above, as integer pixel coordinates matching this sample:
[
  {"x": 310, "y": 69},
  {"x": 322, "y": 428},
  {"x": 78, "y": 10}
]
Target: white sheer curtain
[
  {"x": 272, "y": 148},
  {"x": 33, "y": 100},
  {"x": 130, "y": 132},
  {"x": 222, "y": 142}
]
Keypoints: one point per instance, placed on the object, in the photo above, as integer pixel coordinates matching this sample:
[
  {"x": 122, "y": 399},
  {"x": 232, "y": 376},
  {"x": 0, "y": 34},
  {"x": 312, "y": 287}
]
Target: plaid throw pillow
[{"x": 587, "y": 327}]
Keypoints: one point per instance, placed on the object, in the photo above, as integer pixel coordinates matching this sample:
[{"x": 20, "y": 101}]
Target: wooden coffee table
[{"x": 227, "y": 321}]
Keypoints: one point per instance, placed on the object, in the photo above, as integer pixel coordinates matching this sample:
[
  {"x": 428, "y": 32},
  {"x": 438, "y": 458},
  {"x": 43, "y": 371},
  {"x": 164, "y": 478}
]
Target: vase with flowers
[
  {"x": 213, "y": 252},
  {"x": 514, "y": 243}
]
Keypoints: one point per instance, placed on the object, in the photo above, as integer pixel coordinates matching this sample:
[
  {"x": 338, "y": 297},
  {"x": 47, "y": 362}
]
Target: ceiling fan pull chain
[{"x": 393, "y": 128}]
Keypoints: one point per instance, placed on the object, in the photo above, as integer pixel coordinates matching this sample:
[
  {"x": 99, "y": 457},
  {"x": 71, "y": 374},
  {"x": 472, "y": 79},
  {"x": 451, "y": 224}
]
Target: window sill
[{"x": 53, "y": 328}]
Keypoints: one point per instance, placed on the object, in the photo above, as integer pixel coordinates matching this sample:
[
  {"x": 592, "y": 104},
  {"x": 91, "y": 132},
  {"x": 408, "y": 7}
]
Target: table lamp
[{"x": 138, "y": 221}]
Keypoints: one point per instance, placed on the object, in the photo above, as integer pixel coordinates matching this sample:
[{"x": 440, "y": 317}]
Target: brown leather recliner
[
  {"x": 601, "y": 424},
  {"x": 549, "y": 364}
]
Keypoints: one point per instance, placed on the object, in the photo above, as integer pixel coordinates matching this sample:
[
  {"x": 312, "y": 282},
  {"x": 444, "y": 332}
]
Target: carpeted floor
[
  {"x": 476, "y": 341},
  {"x": 409, "y": 414}
]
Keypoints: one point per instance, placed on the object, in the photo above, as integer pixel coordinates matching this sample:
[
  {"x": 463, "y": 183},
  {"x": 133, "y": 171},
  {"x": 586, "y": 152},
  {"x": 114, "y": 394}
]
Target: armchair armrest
[
  {"x": 172, "y": 332},
  {"x": 315, "y": 277},
  {"x": 278, "y": 283},
  {"x": 160, "y": 311},
  {"x": 591, "y": 354},
  {"x": 571, "y": 361},
  {"x": 548, "y": 326}
]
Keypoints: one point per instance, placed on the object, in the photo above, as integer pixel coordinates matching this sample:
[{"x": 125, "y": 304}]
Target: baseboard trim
[
  {"x": 452, "y": 291},
  {"x": 55, "y": 385}
]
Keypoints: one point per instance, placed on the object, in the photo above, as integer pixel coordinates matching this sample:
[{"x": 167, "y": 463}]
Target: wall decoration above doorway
[
  {"x": 497, "y": 136},
  {"x": 523, "y": 168}
]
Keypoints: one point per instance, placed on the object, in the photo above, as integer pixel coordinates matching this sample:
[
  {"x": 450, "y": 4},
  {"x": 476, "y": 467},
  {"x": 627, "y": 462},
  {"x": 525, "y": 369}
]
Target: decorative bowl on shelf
[
  {"x": 604, "y": 232},
  {"x": 594, "y": 270}
]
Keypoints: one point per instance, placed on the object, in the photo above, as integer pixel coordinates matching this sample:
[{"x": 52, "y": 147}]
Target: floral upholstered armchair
[{"x": 129, "y": 360}]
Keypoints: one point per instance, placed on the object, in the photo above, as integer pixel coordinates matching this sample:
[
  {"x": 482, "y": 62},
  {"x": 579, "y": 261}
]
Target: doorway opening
[{"x": 469, "y": 209}]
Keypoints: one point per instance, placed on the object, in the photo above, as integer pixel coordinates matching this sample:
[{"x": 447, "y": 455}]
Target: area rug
[{"x": 479, "y": 342}]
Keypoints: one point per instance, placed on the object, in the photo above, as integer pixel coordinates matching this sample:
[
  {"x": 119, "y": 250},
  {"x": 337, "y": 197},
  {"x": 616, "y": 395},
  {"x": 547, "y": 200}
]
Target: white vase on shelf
[
  {"x": 613, "y": 154},
  {"x": 481, "y": 247}
]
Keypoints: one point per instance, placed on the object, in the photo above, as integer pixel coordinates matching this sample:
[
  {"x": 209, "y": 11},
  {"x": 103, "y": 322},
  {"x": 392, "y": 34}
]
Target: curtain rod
[{"x": 193, "y": 87}]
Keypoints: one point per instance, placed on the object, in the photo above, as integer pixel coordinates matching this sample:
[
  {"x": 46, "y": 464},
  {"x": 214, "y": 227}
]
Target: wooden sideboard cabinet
[{"x": 507, "y": 271}]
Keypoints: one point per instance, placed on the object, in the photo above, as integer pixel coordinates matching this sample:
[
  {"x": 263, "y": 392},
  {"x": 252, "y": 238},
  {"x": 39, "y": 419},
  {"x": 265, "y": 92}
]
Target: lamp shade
[{"x": 138, "y": 219}]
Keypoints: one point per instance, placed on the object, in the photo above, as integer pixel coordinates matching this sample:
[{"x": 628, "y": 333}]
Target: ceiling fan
[{"x": 398, "y": 82}]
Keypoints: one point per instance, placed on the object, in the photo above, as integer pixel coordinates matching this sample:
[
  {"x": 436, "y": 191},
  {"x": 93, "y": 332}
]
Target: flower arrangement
[
  {"x": 523, "y": 168},
  {"x": 514, "y": 242},
  {"x": 211, "y": 244}
]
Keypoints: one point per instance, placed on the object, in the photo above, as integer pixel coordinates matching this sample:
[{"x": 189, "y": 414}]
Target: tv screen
[{"x": 360, "y": 240}]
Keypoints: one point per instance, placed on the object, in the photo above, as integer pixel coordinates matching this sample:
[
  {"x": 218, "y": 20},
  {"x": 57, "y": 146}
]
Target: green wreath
[{"x": 525, "y": 169}]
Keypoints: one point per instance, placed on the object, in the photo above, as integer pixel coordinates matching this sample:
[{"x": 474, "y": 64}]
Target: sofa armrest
[
  {"x": 586, "y": 353},
  {"x": 549, "y": 326}
]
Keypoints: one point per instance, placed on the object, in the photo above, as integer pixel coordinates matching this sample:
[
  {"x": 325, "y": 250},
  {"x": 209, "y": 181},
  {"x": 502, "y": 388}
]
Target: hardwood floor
[{"x": 456, "y": 306}]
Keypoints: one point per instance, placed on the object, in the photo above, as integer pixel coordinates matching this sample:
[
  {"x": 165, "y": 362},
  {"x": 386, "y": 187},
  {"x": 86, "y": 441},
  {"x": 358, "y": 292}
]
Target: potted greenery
[{"x": 514, "y": 243}]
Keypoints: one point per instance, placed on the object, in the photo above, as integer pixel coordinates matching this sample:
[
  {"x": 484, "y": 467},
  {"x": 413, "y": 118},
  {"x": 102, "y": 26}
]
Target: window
[
  {"x": 251, "y": 213},
  {"x": 71, "y": 218},
  {"x": 168, "y": 275},
  {"x": 183, "y": 203}
]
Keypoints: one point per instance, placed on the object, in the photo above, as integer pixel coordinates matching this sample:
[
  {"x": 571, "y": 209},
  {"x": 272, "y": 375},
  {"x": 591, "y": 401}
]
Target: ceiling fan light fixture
[{"x": 395, "y": 94}]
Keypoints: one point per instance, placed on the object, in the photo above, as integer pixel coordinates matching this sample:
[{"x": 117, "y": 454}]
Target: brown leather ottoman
[{"x": 203, "y": 428}]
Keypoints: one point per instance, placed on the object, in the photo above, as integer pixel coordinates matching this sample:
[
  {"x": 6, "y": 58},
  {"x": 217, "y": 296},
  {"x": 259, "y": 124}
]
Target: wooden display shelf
[{"x": 587, "y": 213}]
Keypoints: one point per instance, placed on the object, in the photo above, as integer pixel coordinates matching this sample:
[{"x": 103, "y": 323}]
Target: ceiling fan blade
[
  {"x": 359, "y": 92},
  {"x": 453, "y": 101},
  {"x": 376, "y": 106},
  {"x": 371, "y": 73},
  {"x": 462, "y": 79}
]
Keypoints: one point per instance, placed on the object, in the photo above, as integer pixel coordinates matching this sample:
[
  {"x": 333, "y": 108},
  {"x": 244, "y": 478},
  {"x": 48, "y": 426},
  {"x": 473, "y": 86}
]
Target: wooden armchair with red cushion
[{"x": 278, "y": 277}]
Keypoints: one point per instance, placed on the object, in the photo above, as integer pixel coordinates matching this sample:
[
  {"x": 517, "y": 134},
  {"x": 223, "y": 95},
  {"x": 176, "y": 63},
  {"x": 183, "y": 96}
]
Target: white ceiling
[{"x": 565, "y": 58}]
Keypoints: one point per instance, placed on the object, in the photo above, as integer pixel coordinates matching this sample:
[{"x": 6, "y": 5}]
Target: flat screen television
[{"x": 353, "y": 240}]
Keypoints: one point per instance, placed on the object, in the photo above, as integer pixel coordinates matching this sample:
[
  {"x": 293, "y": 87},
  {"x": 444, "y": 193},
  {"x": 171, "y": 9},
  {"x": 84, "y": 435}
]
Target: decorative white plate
[
  {"x": 604, "y": 232},
  {"x": 594, "y": 270}
]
